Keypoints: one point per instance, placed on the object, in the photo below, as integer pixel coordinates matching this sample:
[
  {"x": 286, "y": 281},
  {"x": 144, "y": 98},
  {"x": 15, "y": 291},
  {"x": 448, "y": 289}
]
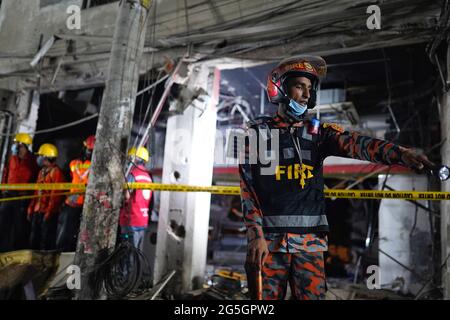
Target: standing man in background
[
  {"x": 43, "y": 211},
  {"x": 21, "y": 168},
  {"x": 70, "y": 216}
]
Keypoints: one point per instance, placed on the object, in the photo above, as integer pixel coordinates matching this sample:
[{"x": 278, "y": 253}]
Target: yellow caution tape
[
  {"x": 235, "y": 190},
  {"x": 43, "y": 186},
  {"x": 382, "y": 194},
  {"x": 37, "y": 196},
  {"x": 225, "y": 190}
]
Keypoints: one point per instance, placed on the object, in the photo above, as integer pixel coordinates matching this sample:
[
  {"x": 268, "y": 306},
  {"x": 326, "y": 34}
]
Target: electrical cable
[
  {"x": 121, "y": 272},
  {"x": 415, "y": 221},
  {"x": 64, "y": 126},
  {"x": 388, "y": 87},
  {"x": 224, "y": 25}
]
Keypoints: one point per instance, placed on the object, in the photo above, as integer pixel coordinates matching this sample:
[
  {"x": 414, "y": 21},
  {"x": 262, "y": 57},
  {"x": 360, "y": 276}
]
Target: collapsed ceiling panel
[{"x": 255, "y": 29}]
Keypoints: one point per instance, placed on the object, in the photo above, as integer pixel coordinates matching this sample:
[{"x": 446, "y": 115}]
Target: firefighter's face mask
[
  {"x": 40, "y": 161},
  {"x": 297, "y": 108},
  {"x": 15, "y": 149},
  {"x": 87, "y": 153}
]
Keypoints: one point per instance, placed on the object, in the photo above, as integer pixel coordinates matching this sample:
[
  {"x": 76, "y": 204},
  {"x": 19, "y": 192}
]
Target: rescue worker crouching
[
  {"x": 70, "y": 217},
  {"x": 134, "y": 216},
  {"x": 21, "y": 168},
  {"x": 43, "y": 211},
  {"x": 283, "y": 202}
]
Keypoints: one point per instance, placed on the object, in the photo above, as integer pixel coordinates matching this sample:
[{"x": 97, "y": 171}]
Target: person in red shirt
[
  {"x": 21, "y": 168},
  {"x": 43, "y": 211},
  {"x": 70, "y": 216},
  {"x": 134, "y": 216}
]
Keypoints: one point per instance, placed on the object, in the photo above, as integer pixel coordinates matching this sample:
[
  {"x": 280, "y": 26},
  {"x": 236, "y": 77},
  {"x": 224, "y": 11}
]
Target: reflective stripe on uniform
[
  {"x": 143, "y": 178},
  {"x": 295, "y": 221}
]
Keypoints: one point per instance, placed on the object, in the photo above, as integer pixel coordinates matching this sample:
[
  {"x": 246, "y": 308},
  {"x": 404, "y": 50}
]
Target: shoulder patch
[{"x": 333, "y": 126}]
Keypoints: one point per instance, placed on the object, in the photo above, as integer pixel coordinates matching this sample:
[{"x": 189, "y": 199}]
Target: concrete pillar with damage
[
  {"x": 99, "y": 223},
  {"x": 405, "y": 261},
  {"x": 188, "y": 159},
  {"x": 445, "y": 206}
]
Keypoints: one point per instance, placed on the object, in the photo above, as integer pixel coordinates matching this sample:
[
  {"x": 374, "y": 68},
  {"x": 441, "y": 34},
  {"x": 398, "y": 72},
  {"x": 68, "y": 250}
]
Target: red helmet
[
  {"x": 312, "y": 67},
  {"x": 89, "y": 142}
]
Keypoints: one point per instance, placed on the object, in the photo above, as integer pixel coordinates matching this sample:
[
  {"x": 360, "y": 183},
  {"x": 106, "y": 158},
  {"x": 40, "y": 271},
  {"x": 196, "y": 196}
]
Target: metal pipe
[
  {"x": 158, "y": 109},
  {"x": 163, "y": 284},
  {"x": 3, "y": 138},
  {"x": 8, "y": 120}
]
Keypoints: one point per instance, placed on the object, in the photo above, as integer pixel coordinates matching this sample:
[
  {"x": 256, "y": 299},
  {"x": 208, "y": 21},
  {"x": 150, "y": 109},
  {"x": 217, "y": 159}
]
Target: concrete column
[
  {"x": 405, "y": 238},
  {"x": 445, "y": 205},
  {"x": 101, "y": 208},
  {"x": 27, "y": 111},
  {"x": 188, "y": 159}
]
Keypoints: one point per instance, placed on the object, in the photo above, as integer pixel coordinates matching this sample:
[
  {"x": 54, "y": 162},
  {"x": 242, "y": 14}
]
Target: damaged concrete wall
[
  {"x": 188, "y": 159},
  {"x": 405, "y": 237}
]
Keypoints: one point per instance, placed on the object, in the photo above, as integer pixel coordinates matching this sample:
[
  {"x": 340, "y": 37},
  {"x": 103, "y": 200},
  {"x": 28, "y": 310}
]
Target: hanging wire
[
  {"x": 388, "y": 87},
  {"x": 58, "y": 128}
]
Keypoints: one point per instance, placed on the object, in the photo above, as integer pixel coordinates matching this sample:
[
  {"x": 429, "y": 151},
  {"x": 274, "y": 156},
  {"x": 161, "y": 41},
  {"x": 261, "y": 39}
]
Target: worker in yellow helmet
[
  {"x": 134, "y": 216},
  {"x": 21, "y": 168},
  {"x": 43, "y": 211}
]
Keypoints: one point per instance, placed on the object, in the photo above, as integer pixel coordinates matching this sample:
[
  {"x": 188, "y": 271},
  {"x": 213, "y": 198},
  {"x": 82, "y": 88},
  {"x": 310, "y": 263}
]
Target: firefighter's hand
[
  {"x": 257, "y": 250},
  {"x": 416, "y": 160}
]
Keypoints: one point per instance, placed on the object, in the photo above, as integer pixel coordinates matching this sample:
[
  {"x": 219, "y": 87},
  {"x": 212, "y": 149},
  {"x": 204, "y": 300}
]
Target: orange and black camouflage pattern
[
  {"x": 334, "y": 142},
  {"x": 303, "y": 271},
  {"x": 298, "y": 258}
]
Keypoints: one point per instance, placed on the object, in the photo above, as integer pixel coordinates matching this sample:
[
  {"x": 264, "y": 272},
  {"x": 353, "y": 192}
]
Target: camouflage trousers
[{"x": 304, "y": 271}]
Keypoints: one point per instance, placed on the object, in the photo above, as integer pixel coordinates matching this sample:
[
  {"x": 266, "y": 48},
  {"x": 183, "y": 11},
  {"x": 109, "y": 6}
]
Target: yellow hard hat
[
  {"x": 24, "y": 138},
  {"x": 141, "y": 152},
  {"x": 48, "y": 150}
]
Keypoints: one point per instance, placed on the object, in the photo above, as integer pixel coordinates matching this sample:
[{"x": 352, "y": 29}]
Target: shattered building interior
[{"x": 195, "y": 73}]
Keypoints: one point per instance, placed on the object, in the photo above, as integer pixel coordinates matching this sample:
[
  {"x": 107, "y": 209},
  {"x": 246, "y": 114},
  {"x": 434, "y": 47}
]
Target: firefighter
[
  {"x": 43, "y": 211},
  {"x": 70, "y": 216},
  {"x": 283, "y": 200},
  {"x": 21, "y": 168},
  {"x": 134, "y": 216}
]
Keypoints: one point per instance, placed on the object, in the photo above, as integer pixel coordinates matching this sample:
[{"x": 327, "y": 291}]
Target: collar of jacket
[
  {"x": 280, "y": 122},
  {"x": 49, "y": 168},
  {"x": 28, "y": 156}
]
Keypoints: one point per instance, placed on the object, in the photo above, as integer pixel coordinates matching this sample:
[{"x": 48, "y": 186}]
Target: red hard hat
[
  {"x": 89, "y": 142},
  {"x": 312, "y": 67}
]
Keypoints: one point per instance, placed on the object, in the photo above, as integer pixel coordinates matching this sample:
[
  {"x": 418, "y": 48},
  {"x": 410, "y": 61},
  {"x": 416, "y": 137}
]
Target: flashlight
[
  {"x": 440, "y": 171},
  {"x": 443, "y": 173}
]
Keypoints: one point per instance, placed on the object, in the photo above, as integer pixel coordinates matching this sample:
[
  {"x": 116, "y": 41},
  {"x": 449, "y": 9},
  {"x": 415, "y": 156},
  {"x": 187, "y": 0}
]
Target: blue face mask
[
  {"x": 40, "y": 161},
  {"x": 297, "y": 108},
  {"x": 14, "y": 149}
]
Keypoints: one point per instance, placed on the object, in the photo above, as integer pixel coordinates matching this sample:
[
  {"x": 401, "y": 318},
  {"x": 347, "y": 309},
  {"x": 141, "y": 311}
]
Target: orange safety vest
[
  {"x": 79, "y": 170},
  {"x": 48, "y": 205}
]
